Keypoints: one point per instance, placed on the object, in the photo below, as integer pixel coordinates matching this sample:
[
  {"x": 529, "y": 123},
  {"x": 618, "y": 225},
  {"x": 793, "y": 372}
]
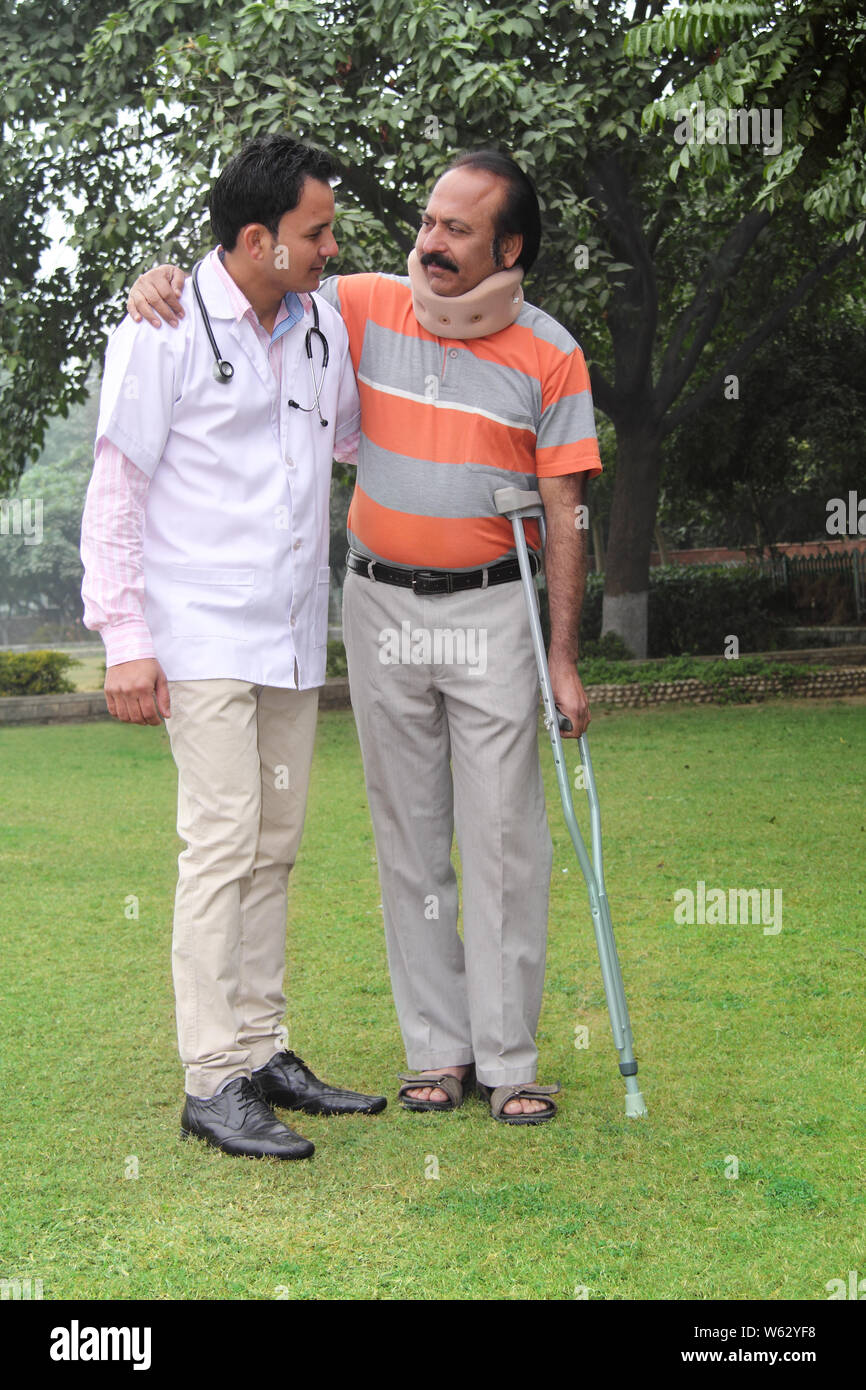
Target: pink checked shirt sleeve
[{"x": 111, "y": 550}]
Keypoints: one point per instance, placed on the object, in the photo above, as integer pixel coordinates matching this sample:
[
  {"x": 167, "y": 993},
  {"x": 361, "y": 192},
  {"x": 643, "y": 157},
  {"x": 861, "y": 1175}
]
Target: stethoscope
[{"x": 224, "y": 371}]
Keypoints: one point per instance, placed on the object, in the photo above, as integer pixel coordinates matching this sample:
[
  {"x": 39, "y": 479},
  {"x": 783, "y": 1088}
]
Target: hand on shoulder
[{"x": 156, "y": 296}]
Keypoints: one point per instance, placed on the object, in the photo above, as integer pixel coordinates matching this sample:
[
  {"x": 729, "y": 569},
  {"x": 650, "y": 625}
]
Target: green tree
[
  {"x": 647, "y": 238},
  {"x": 764, "y": 472},
  {"x": 42, "y": 570}
]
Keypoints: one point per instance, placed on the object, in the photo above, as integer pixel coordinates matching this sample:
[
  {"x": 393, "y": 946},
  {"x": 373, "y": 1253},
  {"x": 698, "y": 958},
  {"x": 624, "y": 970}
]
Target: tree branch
[
  {"x": 603, "y": 396},
  {"x": 647, "y": 9},
  {"x": 660, "y": 221},
  {"x": 705, "y": 308},
  {"x": 771, "y": 324},
  {"x": 388, "y": 206}
]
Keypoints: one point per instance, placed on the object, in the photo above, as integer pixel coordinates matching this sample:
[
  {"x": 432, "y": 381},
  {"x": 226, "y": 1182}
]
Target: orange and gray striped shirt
[{"x": 445, "y": 422}]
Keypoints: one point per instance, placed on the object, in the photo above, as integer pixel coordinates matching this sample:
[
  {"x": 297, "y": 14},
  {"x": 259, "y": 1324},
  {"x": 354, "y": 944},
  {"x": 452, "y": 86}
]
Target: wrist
[{"x": 562, "y": 653}]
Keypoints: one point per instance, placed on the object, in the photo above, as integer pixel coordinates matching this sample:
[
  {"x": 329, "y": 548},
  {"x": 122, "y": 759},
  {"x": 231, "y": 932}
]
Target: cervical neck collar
[{"x": 489, "y": 307}]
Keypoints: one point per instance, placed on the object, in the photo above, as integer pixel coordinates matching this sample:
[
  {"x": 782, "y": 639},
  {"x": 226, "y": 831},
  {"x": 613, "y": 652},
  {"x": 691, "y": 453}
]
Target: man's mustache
[{"x": 436, "y": 258}]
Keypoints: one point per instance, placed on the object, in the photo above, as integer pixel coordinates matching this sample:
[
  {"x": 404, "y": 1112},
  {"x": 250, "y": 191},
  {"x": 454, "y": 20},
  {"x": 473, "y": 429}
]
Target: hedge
[
  {"x": 694, "y": 608},
  {"x": 35, "y": 673},
  {"x": 724, "y": 677}
]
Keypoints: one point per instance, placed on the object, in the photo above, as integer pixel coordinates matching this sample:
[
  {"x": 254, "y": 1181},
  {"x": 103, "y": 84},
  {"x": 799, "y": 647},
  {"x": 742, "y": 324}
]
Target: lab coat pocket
[
  {"x": 211, "y": 602},
  {"x": 323, "y": 589}
]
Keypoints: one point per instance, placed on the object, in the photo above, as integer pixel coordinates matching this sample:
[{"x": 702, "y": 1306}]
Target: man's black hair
[
  {"x": 519, "y": 212},
  {"x": 261, "y": 182}
]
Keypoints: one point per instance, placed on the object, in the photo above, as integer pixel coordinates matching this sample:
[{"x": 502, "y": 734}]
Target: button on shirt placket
[
  {"x": 293, "y": 423},
  {"x": 449, "y": 358},
  {"x": 281, "y": 416},
  {"x": 291, "y": 474},
  {"x": 279, "y": 411},
  {"x": 290, "y": 467}
]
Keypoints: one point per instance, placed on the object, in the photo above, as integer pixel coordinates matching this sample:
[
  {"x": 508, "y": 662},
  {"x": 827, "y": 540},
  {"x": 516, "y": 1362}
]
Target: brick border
[
  {"x": 842, "y": 681},
  {"x": 53, "y": 709},
  {"x": 85, "y": 706}
]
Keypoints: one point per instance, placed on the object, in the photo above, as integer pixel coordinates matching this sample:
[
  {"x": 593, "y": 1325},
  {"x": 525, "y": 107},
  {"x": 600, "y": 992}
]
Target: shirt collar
[{"x": 290, "y": 312}]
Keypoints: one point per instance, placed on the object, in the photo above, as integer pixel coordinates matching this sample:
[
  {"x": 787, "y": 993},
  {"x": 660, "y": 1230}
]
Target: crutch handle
[
  {"x": 565, "y": 723},
  {"x": 517, "y": 501}
]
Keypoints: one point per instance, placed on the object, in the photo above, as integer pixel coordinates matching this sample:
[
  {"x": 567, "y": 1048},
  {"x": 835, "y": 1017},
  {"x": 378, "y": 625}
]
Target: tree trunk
[
  {"x": 629, "y": 542},
  {"x": 597, "y": 544}
]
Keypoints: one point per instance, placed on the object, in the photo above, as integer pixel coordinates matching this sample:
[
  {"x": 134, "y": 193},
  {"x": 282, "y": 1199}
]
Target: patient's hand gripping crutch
[{"x": 518, "y": 504}]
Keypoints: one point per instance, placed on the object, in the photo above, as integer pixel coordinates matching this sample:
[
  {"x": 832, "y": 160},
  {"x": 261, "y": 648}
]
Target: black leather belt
[{"x": 438, "y": 581}]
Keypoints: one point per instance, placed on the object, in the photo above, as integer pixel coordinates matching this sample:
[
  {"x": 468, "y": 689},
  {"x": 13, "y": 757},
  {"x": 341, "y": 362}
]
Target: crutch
[{"x": 518, "y": 505}]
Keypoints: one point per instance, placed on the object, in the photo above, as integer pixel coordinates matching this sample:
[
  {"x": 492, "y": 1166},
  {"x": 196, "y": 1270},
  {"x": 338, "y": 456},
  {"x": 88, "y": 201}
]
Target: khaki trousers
[
  {"x": 243, "y": 754},
  {"x": 448, "y": 744}
]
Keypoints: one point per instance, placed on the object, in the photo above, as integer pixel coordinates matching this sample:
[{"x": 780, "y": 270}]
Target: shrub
[
  {"x": 693, "y": 608},
  {"x": 35, "y": 673},
  {"x": 723, "y": 676},
  {"x": 818, "y": 598},
  {"x": 336, "y": 663},
  {"x": 610, "y": 647}
]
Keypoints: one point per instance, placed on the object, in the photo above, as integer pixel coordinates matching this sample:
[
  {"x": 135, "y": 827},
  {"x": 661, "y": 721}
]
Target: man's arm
[
  {"x": 347, "y": 434},
  {"x": 136, "y": 690},
  {"x": 156, "y": 296},
  {"x": 139, "y": 386},
  {"x": 565, "y": 570}
]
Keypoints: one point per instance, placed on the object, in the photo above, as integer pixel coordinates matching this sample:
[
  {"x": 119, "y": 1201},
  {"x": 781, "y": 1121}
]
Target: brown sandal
[
  {"x": 455, "y": 1087},
  {"x": 499, "y": 1096}
]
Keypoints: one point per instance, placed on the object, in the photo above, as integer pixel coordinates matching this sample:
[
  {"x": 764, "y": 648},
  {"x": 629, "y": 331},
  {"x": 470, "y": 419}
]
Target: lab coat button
[
  {"x": 297, "y": 545},
  {"x": 290, "y": 463}
]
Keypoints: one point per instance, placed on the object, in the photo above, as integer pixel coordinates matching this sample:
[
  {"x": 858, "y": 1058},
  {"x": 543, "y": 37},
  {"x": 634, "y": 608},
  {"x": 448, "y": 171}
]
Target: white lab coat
[{"x": 235, "y": 547}]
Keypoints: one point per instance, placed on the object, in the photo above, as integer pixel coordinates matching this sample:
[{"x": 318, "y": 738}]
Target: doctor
[{"x": 205, "y": 546}]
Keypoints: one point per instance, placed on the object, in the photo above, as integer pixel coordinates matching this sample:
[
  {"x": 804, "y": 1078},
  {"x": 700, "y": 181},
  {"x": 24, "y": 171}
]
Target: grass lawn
[
  {"x": 88, "y": 672},
  {"x": 750, "y": 1044}
]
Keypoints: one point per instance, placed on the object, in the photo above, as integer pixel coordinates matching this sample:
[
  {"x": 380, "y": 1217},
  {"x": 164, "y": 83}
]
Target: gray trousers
[{"x": 448, "y": 727}]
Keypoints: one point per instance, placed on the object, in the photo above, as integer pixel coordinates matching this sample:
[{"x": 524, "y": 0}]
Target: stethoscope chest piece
[{"x": 223, "y": 371}]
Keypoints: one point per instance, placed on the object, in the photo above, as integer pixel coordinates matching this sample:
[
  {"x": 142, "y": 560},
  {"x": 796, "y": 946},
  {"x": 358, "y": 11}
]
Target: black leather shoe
[
  {"x": 287, "y": 1081},
  {"x": 240, "y": 1122}
]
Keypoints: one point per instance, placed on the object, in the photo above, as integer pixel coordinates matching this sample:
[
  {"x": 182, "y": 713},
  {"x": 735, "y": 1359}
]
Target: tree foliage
[
  {"x": 42, "y": 570},
  {"x": 807, "y": 60},
  {"x": 763, "y": 473}
]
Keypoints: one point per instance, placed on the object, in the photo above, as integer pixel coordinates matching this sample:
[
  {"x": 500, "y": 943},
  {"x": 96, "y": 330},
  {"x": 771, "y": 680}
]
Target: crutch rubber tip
[{"x": 635, "y": 1106}]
